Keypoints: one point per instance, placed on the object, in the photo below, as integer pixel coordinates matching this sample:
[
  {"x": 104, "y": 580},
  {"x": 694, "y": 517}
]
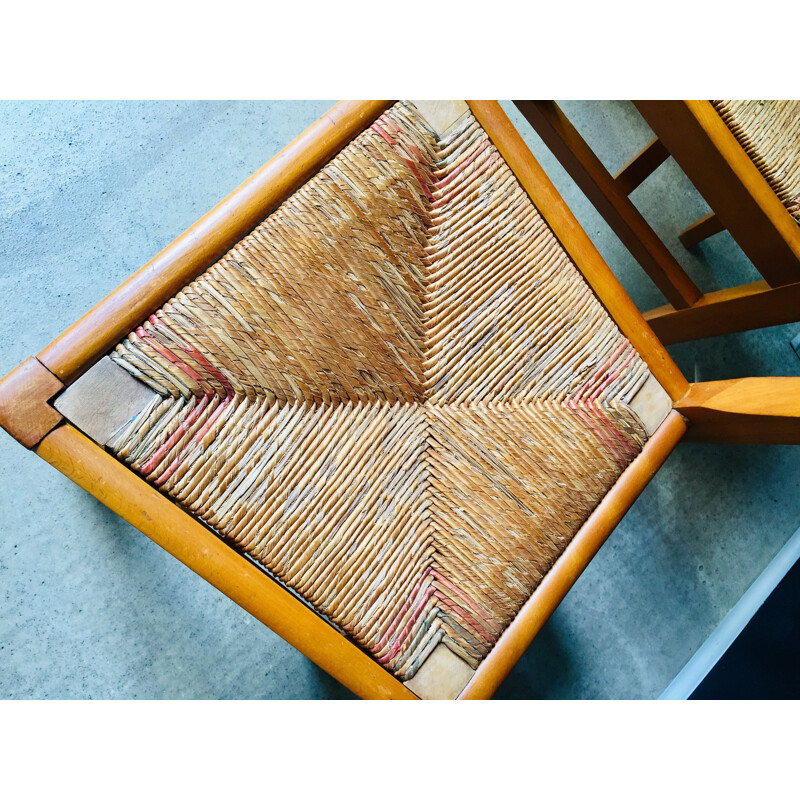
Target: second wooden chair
[{"x": 744, "y": 159}]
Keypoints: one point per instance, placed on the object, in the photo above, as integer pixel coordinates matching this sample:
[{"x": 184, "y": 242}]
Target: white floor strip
[{"x": 702, "y": 662}]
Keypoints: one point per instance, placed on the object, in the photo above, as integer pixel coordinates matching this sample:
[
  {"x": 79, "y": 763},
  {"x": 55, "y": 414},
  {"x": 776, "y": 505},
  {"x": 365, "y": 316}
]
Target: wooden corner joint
[
  {"x": 24, "y": 410},
  {"x": 763, "y": 410}
]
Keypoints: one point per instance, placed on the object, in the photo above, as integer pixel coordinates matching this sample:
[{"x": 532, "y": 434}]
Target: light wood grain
[
  {"x": 104, "y": 399},
  {"x": 441, "y": 115},
  {"x": 442, "y": 676},
  {"x": 652, "y": 405}
]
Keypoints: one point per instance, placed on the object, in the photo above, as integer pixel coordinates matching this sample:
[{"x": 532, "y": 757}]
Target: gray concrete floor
[{"x": 93, "y": 609}]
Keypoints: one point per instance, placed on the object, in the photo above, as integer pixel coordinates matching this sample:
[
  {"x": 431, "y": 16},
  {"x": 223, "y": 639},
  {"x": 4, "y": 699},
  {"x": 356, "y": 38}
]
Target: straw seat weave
[
  {"x": 769, "y": 132},
  {"x": 397, "y": 394}
]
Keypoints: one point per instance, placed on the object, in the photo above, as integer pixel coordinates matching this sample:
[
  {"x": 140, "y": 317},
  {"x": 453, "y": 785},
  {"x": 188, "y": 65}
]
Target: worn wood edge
[
  {"x": 579, "y": 552},
  {"x": 578, "y": 245},
  {"x": 441, "y": 115},
  {"x": 651, "y": 404},
  {"x": 94, "y": 334},
  {"x": 744, "y": 411},
  {"x": 103, "y": 399},
  {"x": 194, "y": 545},
  {"x": 25, "y": 412},
  {"x": 442, "y": 676},
  {"x": 741, "y": 308}
]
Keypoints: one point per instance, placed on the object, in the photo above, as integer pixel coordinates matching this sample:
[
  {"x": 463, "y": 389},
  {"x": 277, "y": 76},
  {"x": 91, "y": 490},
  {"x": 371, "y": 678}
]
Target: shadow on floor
[{"x": 764, "y": 661}]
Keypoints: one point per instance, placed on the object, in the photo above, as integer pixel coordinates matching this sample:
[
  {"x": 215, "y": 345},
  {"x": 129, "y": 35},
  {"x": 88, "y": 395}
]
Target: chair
[
  {"x": 386, "y": 396},
  {"x": 744, "y": 159}
]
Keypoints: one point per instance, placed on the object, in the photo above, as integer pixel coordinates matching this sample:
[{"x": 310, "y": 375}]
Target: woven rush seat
[
  {"x": 397, "y": 394},
  {"x": 769, "y": 132}
]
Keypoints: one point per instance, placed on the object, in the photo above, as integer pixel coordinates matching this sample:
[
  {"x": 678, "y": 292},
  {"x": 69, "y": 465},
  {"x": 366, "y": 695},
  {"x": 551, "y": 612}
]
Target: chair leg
[
  {"x": 743, "y": 410},
  {"x": 620, "y": 213},
  {"x": 753, "y": 305},
  {"x": 701, "y": 229}
]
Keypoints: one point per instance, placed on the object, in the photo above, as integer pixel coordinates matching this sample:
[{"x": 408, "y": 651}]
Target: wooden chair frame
[
  {"x": 27, "y": 413},
  {"x": 742, "y": 202}
]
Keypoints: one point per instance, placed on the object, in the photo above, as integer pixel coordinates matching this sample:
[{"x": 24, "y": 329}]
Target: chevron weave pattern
[
  {"x": 769, "y": 132},
  {"x": 397, "y": 393}
]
